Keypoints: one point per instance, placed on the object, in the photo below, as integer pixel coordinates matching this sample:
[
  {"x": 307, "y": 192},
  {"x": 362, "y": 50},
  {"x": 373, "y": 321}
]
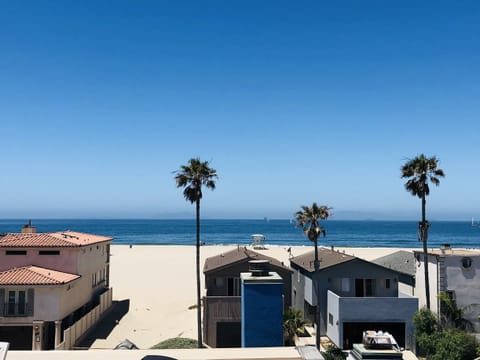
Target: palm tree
[
  {"x": 308, "y": 219},
  {"x": 420, "y": 171},
  {"x": 191, "y": 178},
  {"x": 293, "y": 324}
]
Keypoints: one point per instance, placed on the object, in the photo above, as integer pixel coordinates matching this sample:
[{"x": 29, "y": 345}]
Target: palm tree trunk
[
  {"x": 424, "y": 237},
  {"x": 199, "y": 300},
  {"x": 316, "y": 266}
]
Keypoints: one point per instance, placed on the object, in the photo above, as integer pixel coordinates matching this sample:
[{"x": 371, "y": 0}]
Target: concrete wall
[
  {"x": 420, "y": 281},
  {"x": 465, "y": 282},
  {"x": 371, "y": 309},
  {"x": 77, "y": 330}
]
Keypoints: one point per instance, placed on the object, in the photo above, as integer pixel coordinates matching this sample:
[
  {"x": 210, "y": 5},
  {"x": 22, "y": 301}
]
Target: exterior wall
[
  {"x": 371, "y": 309},
  {"x": 332, "y": 279},
  {"x": 262, "y": 309},
  {"x": 234, "y": 271},
  {"x": 466, "y": 285},
  {"x": 298, "y": 289},
  {"x": 77, "y": 330},
  {"x": 66, "y": 261},
  {"x": 420, "y": 281},
  {"x": 217, "y": 309},
  {"x": 50, "y": 303}
]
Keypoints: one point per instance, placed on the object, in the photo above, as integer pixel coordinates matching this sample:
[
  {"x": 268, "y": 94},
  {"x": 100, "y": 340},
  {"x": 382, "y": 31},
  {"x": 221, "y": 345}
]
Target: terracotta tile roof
[
  {"x": 238, "y": 255},
  {"x": 34, "y": 275},
  {"x": 55, "y": 239},
  {"x": 326, "y": 256}
]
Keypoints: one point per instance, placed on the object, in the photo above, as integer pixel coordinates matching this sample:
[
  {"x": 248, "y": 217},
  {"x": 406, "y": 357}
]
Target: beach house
[
  {"x": 354, "y": 295},
  {"x": 49, "y": 283},
  {"x": 455, "y": 272},
  {"x": 222, "y": 303}
]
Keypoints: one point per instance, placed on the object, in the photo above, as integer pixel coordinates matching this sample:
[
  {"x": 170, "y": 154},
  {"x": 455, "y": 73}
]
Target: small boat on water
[{"x": 377, "y": 345}]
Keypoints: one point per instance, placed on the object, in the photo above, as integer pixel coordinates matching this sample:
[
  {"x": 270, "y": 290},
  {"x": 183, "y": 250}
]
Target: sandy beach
[{"x": 158, "y": 283}]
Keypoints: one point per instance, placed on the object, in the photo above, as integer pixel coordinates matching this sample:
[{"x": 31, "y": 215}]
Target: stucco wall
[
  {"x": 65, "y": 262},
  {"x": 420, "y": 281},
  {"x": 373, "y": 309},
  {"x": 466, "y": 284}
]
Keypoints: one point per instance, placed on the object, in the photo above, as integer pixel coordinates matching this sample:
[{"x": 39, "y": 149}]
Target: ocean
[{"x": 278, "y": 232}]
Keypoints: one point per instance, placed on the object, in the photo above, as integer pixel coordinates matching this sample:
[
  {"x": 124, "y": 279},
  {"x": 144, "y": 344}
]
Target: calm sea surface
[{"x": 277, "y": 232}]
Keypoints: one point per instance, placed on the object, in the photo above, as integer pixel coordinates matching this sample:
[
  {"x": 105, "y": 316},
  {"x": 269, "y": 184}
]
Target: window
[
  {"x": 466, "y": 262},
  {"x": 346, "y": 284},
  {"x": 387, "y": 283},
  {"x": 219, "y": 283},
  {"x": 364, "y": 287},
  {"x": 330, "y": 319},
  {"x": 15, "y": 252},
  {"x": 233, "y": 287},
  {"x": 16, "y": 303},
  {"x": 49, "y": 252}
]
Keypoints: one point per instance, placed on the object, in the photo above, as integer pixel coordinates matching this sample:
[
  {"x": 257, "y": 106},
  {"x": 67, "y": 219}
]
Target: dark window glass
[
  {"x": 15, "y": 252},
  {"x": 49, "y": 252}
]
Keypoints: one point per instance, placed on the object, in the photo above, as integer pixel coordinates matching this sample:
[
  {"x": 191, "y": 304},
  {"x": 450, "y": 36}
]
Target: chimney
[
  {"x": 259, "y": 267},
  {"x": 28, "y": 228}
]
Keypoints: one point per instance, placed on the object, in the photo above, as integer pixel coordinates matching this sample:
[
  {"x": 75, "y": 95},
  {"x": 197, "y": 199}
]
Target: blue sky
[{"x": 291, "y": 101}]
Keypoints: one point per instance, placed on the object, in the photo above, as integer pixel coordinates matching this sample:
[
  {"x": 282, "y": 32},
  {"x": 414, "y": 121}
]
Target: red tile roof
[
  {"x": 55, "y": 239},
  {"x": 35, "y": 275}
]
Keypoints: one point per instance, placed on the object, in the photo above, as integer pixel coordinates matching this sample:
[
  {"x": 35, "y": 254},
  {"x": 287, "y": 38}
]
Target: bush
[
  {"x": 455, "y": 345},
  {"x": 333, "y": 353},
  {"x": 425, "y": 322},
  {"x": 177, "y": 343}
]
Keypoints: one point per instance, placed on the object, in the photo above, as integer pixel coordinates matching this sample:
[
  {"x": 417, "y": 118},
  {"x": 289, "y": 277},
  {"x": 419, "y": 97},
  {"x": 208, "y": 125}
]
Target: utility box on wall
[{"x": 261, "y": 306}]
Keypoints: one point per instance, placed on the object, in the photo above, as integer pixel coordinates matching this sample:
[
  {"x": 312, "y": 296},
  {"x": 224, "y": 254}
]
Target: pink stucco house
[{"x": 49, "y": 281}]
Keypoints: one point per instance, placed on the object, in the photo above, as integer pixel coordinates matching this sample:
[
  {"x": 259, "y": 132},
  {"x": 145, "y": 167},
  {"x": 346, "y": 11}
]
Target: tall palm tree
[
  {"x": 191, "y": 178},
  {"x": 420, "y": 171},
  {"x": 309, "y": 220}
]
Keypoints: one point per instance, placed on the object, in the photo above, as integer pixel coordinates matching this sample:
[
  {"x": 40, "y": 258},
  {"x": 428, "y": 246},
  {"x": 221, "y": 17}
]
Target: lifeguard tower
[{"x": 258, "y": 241}]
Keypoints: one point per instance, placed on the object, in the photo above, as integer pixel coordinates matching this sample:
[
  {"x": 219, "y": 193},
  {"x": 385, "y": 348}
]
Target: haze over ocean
[{"x": 278, "y": 232}]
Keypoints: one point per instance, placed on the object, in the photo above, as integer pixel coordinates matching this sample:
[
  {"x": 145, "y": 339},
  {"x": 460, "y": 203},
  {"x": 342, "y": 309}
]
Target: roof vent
[{"x": 259, "y": 267}]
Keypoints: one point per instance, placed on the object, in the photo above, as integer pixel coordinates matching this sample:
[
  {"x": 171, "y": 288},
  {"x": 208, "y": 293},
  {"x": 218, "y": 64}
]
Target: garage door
[
  {"x": 229, "y": 334},
  {"x": 19, "y": 337}
]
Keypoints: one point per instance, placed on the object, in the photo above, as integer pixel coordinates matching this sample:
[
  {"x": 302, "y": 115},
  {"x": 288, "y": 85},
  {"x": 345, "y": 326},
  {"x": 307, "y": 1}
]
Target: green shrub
[
  {"x": 176, "y": 343},
  {"x": 333, "y": 353},
  {"x": 455, "y": 345}
]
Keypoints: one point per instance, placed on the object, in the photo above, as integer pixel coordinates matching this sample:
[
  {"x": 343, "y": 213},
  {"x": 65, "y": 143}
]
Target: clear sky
[{"x": 291, "y": 101}]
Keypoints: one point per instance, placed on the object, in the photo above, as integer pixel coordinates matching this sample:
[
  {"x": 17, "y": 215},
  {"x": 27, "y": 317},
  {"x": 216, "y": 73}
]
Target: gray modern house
[
  {"x": 455, "y": 272},
  {"x": 354, "y": 295},
  {"x": 222, "y": 305}
]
